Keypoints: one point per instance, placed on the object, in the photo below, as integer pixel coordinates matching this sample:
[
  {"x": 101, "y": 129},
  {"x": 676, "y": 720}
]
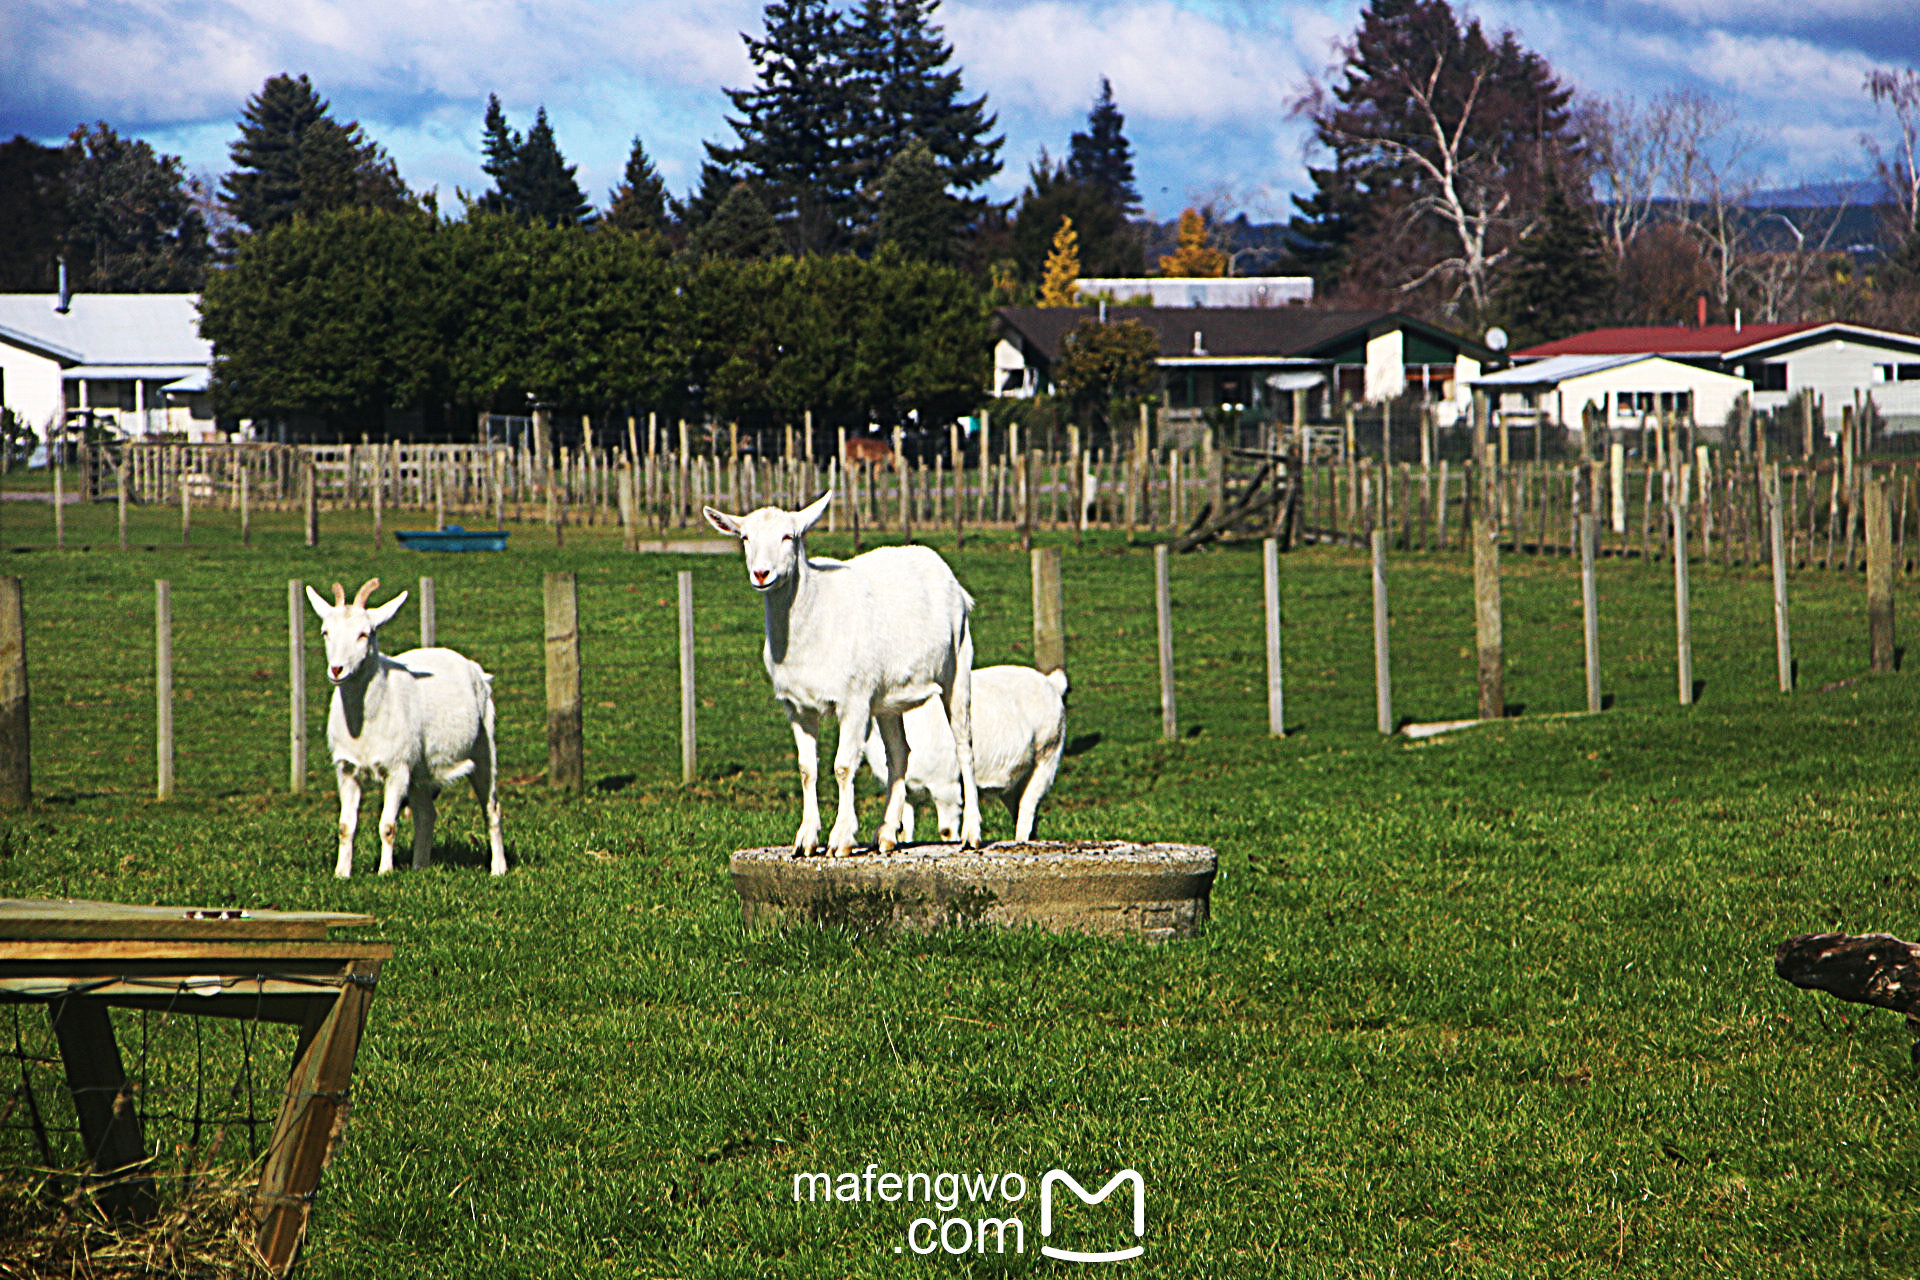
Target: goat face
[
  {"x": 349, "y": 627},
  {"x": 774, "y": 540}
]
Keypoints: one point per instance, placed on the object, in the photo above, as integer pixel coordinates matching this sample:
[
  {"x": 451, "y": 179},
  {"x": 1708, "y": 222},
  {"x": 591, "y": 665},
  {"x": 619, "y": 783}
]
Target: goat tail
[{"x": 1058, "y": 679}]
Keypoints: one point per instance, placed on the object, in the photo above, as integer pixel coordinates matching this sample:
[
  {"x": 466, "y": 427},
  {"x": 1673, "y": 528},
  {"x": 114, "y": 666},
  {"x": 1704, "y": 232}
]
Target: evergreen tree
[
  {"x": 32, "y": 180},
  {"x": 1196, "y": 255},
  {"x": 1560, "y": 283},
  {"x": 639, "y": 203},
  {"x": 131, "y": 221},
  {"x": 293, "y": 157},
  {"x": 902, "y": 91},
  {"x": 500, "y": 145},
  {"x": 549, "y": 192},
  {"x": 792, "y": 124},
  {"x": 1101, "y": 157},
  {"x": 716, "y": 184},
  {"x": 1063, "y": 268},
  {"x": 916, "y": 214},
  {"x": 742, "y": 227},
  {"x": 1108, "y": 245}
]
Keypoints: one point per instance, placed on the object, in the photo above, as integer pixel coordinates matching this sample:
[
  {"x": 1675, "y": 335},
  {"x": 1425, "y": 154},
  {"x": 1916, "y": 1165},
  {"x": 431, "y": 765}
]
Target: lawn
[{"x": 1496, "y": 1003}]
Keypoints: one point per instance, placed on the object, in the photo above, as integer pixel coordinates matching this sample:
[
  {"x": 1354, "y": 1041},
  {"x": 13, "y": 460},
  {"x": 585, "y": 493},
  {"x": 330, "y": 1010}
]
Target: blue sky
[{"x": 1206, "y": 85}]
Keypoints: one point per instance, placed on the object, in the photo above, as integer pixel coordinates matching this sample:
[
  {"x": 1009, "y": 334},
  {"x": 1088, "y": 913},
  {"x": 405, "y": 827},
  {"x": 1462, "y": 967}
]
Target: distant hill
[{"x": 1862, "y": 192}]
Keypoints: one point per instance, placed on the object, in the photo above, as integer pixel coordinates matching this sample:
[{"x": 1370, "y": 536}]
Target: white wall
[
  {"x": 1834, "y": 369},
  {"x": 32, "y": 387},
  {"x": 1714, "y": 394}
]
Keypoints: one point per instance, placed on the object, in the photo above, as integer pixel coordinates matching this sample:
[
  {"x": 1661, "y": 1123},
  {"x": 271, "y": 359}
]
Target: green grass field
[{"x": 1498, "y": 1003}]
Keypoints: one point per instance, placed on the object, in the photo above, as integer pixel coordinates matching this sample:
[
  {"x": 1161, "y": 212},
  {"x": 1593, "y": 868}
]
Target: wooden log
[
  {"x": 16, "y": 738},
  {"x": 565, "y": 752},
  {"x": 296, "y": 687},
  {"x": 1875, "y": 969},
  {"x": 1276, "y": 692},
  {"x": 689, "y": 702},
  {"x": 163, "y": 689},
  {"x": 1163, "y": 613},
  {"x": 1879, "y": 539}
]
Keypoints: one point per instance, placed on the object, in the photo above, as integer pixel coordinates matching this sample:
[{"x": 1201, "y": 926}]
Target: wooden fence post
[
  {"x": 1049, "y": 625},
  {"x": 246, "y": 503},
  {"x": 1276, "y": 694},
  {"x": 1590, "y": 607},
  {"x": 429, "y": 615},
  {"x": 1879, "y": 540},
  {"x": 311, "y": 501},
  {"x": 126, "y": 463},
  {"x": 1382, "y": 670},
  {"x": 1163, "y": 609},
  {"x": 1776, "y": 539},
  {"x": 59, "y": 507},
  {"x": 163, "y": 689},
  {"x": 565, "y": 763},
  {"x": 186, "y": 511},
  {"x": 689, "y": 702},
  {"x": 1682, "y": 604},
  {"x": 16, "y": 739},
  {"x": 1489, "y": 643},
  {"x": 296, "y": 688}
]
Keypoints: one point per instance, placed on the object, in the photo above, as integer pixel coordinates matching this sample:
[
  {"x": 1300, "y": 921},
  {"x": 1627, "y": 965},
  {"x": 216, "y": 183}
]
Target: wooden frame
[{"x": 82, "y": 958}]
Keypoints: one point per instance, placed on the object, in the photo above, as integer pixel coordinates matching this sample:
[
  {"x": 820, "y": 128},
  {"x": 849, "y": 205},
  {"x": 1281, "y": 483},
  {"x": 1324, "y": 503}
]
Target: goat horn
[
  {"x": 367, "y": 588},
  {"x": 339, "y": 595}
]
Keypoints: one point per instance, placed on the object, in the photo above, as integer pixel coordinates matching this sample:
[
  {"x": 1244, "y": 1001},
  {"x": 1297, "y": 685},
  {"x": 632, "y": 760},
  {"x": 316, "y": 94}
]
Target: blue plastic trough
[{"x": 453, "y": 538}]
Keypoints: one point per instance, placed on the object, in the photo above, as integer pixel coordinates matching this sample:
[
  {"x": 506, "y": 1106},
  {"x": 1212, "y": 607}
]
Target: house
[
  {"x": 1200, "y": 291},
  {"x": 134, "y": 362},
  {"x": 1834, "y": 359},
  {"x": 1627, "y": 389},
  {"x": 1251, "y": 359}
]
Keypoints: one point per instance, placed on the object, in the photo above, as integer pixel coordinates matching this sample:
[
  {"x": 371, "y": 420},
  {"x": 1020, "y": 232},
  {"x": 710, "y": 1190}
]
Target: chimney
[
  {"x": 1736, "y": 319},
  {"x": 66, "y": 299},
  {"x": 1198, "y": 349},
  {"x": 1703, "y": 311}
]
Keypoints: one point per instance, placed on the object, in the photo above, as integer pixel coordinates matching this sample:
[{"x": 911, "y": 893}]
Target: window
[
  {"x": 1908, "y": 373},
  {"x": 1768, "y": 375}
]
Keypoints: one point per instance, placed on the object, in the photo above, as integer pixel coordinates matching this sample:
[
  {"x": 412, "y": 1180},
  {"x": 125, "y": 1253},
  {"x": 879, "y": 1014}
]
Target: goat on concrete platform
[
  {"x": 865, "y": 639},
  {"x": 412, "y": 723},
  {"x": 1019, "y": 734}
]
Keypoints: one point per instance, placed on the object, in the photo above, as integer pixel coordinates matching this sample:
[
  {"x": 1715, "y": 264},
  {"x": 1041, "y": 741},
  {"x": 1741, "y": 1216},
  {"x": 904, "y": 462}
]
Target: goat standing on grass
[
  {"x": 1019, "y": 735},
  {"x": 413, "y": 723},
  {"x": 866, "y": 639}
]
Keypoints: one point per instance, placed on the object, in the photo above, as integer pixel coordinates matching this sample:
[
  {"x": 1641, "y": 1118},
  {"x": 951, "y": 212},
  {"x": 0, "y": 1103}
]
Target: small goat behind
[
  {"x": 1019, "y": 735},
  {"x": 412, "y": 723}
]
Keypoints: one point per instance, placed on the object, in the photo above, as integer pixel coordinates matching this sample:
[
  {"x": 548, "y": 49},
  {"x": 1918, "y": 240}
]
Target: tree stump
[{"x": 1876, "y": 969}]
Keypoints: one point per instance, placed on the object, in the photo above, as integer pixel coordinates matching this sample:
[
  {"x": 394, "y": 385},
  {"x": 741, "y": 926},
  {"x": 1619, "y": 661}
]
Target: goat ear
[
  {"x": 383, "y": 614},
  {"x": 319, "y": 603},
  {"x": 809, "y": 515},
  {"x": 729, "y": 525}
]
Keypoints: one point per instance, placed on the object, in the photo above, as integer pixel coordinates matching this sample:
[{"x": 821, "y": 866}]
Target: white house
[
  {"x": 1199, "y": 291},
  {"x": 1625, "y": 388},
  {"x": 135, "y": 361}
]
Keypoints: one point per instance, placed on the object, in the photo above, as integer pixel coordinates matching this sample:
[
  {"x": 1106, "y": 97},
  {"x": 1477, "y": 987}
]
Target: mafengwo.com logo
[{"x": 960, "y": 1214}]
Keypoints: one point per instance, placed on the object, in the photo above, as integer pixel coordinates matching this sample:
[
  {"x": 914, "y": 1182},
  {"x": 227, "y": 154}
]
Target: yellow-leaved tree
[
  {"x": 1194, "y": 257},
  {"x": 1063, "y": 268}
]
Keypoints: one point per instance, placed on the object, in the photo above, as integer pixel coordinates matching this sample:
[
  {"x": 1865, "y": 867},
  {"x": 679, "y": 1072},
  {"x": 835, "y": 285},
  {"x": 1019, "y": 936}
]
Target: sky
[{"x": 1208, "y": 87}]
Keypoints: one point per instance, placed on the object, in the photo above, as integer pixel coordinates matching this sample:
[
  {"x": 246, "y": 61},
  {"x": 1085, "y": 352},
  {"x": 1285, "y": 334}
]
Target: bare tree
[
  {"x": 1899, "y": 90},
  {"x": 1629, "y": 147}
]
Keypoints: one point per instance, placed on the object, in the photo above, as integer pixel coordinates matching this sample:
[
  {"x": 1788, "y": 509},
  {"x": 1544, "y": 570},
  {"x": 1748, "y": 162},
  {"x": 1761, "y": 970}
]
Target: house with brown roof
[
  {"x": 1249, "y": 359},
  {"x": 1835, "y": 360}
]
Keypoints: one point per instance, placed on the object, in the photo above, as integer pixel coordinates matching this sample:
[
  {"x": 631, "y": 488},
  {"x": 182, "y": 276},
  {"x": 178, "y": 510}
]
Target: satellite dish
[{"x": 1496, "y": 339}]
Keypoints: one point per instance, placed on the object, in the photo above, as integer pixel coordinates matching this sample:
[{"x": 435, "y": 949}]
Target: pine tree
[
  {"x": 293, "y": 157},
  {"x": 742, "y": 227},
  {"x": 1101, "y": 157},
  {"x": 32, "y": 178},
  {"x": 501, "y": 147},
  {"x": 916, "y": 213},
  {"x": 1195, "y": 256},
  {"x": 131, "y": 221},
  {"x": 1560, "y": 283},
  {"x": 549, "y": 193},
  {"x": 902, "y": 91},
  {"x": 639, "y": 203},
  {"x": 1108, "y": 245},
  {"x": 1057, "y": 285},
  {"x": 792, "y": 124}
]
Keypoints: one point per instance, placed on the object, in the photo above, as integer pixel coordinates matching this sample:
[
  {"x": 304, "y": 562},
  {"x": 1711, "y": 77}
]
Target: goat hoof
[{"x": 887, "y": 844}]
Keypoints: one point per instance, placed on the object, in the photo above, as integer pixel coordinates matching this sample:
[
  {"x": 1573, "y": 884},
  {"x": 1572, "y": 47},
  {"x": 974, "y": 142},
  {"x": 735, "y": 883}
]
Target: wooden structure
[{"x": 81, "y": 959}]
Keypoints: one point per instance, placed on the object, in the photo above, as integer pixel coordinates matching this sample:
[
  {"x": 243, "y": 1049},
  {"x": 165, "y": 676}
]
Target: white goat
[
  {"x": 866, "y": 639},
  {"x": 1019, "y": 732},
  {"x": 414, "y": 723}
]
